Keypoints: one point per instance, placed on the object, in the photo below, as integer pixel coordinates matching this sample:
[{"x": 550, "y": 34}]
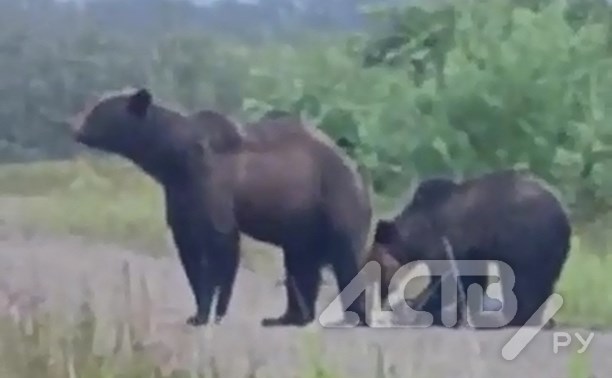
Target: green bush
[
  {"x": 504, "y": 85},
  {"x": 458, "y": 89}
]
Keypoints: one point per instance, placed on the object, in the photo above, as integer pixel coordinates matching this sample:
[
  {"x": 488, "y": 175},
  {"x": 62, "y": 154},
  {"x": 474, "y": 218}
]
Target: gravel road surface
[{"x": 58, "y": 270}]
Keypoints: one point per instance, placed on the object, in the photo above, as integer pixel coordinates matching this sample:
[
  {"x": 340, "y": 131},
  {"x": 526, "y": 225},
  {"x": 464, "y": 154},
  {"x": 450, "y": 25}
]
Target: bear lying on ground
[
  {"x": 277, "y": 180},
  {"x": 508, "y": 216}
]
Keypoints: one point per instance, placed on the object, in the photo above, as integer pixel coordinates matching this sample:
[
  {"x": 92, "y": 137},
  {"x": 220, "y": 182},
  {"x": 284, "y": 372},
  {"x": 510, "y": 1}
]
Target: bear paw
[
  {"x": 197, "y": 320},
  {"x": 285, "y": 320}
]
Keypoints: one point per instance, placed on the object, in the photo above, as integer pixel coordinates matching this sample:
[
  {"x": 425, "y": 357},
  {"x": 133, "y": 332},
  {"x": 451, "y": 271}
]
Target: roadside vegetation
[{"x": 458, "y": 89}]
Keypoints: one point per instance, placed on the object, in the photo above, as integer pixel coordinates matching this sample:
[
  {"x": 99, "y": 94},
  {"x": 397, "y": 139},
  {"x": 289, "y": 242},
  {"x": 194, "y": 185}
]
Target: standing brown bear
[
  {"x": 277, "y": 180},
  {"x": 507, "y": 216}
]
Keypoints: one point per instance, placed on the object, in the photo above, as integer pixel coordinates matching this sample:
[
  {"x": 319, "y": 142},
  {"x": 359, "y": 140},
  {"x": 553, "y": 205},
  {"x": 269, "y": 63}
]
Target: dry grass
[
  {"x": 113, "y": 313},
  {"x": 107, "y": 200},
  {"x": 42, "y": 343}
]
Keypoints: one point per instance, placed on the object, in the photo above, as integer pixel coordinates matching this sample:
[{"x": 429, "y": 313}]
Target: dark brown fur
[
  {"x": 275, "y": 180},
  {"x": 507, "y": 216}
]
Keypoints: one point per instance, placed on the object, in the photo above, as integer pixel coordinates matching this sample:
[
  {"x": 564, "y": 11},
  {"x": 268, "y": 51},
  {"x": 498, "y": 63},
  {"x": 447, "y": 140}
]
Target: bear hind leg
[
  {"x": 532, "y": 291},
  {"x": 345, "y": 267},
  {"x": 302, "y": 287}
]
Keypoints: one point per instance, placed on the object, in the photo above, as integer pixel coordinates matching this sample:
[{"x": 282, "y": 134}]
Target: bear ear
[
  {"x": 139, "y": 102},
  {"x": 385, "y": 233}
]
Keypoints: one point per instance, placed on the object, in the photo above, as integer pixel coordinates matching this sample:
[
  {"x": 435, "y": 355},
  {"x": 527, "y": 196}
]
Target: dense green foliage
[{"x": 475, "y": 86}]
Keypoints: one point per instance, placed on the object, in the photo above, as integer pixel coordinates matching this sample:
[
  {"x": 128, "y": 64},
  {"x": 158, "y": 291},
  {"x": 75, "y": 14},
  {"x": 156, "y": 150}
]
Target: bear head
[{"x": 115, "y": 122}]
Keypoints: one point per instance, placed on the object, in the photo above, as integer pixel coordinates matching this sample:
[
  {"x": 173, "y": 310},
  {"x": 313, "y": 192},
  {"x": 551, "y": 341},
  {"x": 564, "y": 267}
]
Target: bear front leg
[
  {"x": 430, "y": 300},
  {"x": 197, "y": 269},
  {"x": 227, "y": 261}
]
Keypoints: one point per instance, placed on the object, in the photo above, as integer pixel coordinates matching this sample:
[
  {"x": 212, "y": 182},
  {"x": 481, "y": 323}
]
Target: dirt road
[{"x": 56, "y": 268}]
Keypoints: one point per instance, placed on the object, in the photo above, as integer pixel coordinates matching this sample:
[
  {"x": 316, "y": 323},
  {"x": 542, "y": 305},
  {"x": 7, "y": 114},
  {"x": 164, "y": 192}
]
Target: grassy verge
[
  {"x": 33, "y": 347},
  {"x": 111, "y": 200},
  {"x": 101, "y": 199},
  {"x": 37, "y": 342},
  {"x": 105, "y": 200}
]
